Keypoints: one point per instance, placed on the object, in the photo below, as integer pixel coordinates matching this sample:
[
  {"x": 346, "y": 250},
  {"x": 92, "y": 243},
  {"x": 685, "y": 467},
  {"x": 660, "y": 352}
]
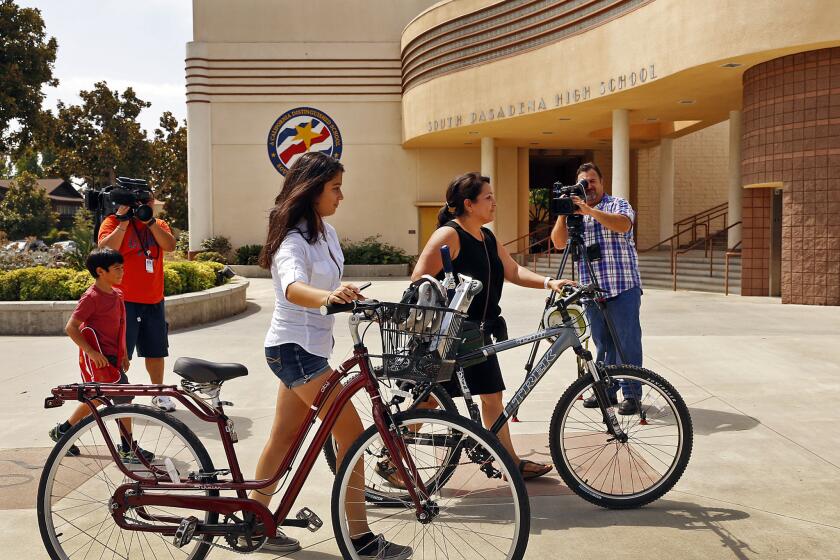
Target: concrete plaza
[{"x": 761, "y": 379}]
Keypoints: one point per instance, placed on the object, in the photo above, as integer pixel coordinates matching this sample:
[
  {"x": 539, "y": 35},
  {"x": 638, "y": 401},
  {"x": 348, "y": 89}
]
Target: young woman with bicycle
[
  {"x": 470, "y": 205},
  {"x": 304, "y": 256}
]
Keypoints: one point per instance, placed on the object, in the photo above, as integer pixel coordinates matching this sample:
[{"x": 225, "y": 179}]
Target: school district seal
[{"x": 302, "y": 130}]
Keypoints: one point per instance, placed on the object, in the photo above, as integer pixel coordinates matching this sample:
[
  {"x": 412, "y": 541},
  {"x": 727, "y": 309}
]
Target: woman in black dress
[{"x": 470, "y": 204}]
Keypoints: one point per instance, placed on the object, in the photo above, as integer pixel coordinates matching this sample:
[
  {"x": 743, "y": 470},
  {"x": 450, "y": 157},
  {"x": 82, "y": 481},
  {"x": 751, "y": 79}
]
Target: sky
[{"x": 141, "y": 44}]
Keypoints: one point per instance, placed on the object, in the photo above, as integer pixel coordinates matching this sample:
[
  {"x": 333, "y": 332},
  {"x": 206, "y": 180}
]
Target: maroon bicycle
[{"x": 464, "y": 496}]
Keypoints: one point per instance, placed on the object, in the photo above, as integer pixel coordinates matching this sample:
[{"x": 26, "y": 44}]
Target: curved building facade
[{"x": 685, "y": 105}]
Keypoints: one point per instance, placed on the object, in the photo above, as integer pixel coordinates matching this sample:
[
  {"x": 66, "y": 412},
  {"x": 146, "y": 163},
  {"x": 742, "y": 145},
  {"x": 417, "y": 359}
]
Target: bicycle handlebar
[
  {"x": 362, "y": 305},
  {"x": 579, "y": 292}
]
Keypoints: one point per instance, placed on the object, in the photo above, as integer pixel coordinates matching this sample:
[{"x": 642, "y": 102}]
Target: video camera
[
  {"x": 134, "y": 193},
  {"x": 561, "y": 197}
]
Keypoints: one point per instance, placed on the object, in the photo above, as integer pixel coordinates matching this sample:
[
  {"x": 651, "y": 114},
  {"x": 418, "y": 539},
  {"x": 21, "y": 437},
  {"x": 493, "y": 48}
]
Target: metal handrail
[
  {"x": 542, "y": 226},
  {"x": 693, "y": 217},
  {"x": 705, "y": 216},
  {"x": 733, "y": 252}
]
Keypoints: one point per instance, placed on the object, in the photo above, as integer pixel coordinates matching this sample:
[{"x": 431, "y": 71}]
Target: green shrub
[
  {"x": 59, "y": 284},
  {"x": 248, "y": 254},
  {"x": 78, "y": 283},
  {"x": 219, "y": 244},
  {"x": 211, "y": 256},
  {"x": 194, "y": 276},
  {"x": 10, "y": 283},
  {"x": 82, "y": 234},
  {"x": 45, "y": 284},
  {"x": 172, "y": 284},
  {"x": 372, "y": 251}
]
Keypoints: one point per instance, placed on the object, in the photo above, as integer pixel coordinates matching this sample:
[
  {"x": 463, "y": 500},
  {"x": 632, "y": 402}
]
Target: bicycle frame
[
  {"x": 566, "y": 338},
  {"x": 130, "y": 496}
]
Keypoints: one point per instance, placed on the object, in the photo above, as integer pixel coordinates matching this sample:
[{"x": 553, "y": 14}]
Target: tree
[
  {"x": 169, "y": 169},
  {"x": 27, "y": 57},
  {"x": 101, "y": 138},
  {"x": 26, "y": 210}
]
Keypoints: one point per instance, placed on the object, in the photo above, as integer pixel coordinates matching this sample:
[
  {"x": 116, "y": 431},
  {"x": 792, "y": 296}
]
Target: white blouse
[{"x": 319, "y": 265}]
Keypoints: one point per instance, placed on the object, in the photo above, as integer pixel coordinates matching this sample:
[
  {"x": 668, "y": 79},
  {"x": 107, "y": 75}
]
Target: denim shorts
[{"x": 293, "y": 365}]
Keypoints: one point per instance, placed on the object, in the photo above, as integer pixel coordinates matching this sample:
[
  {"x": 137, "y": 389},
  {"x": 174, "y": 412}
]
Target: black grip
[
  {"x": 337, "y": 308},
  {"x": 446, "y": 258}
]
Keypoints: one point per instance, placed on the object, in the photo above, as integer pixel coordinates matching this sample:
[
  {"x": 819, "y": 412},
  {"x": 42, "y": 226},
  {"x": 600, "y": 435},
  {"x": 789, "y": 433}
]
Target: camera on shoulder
[
  {"x": 133, "y": 193},
  {"x": 561, "y": 197}
]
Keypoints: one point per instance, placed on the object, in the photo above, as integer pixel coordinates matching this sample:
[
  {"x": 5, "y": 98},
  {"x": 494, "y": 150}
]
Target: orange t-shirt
[{"x": 138, "y": 285}]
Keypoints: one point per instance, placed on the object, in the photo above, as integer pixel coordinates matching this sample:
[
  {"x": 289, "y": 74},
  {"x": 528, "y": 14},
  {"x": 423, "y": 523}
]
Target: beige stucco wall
[
  {"x": 700, "y": 179},
  {"x": 271, "y": 47}
]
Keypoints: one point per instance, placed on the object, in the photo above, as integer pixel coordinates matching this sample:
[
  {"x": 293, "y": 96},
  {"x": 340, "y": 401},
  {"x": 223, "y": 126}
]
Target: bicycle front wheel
[
  {"x": 612, "y": 474},
  {"x": 480, "y": 511},
  {"x": 80, "y": 477},
  {"x": 438, "y": 398}
]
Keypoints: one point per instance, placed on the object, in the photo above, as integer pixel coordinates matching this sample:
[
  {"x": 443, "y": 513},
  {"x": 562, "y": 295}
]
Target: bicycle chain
[{"x": 212, "y": 543}]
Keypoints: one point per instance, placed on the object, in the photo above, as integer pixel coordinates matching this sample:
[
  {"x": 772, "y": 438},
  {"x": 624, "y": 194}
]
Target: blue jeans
[{"x": 624, "y": 313}]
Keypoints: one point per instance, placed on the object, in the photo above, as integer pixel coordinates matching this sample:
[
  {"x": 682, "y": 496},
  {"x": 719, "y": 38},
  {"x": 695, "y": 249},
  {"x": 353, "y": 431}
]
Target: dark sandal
[{"x": 528, "y": 475}]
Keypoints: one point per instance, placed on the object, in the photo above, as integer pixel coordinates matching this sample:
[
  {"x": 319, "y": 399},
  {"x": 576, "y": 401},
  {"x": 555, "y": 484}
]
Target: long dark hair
[
  {"x": 466, "y": 187},
  {"x": 303, "y": 185}
]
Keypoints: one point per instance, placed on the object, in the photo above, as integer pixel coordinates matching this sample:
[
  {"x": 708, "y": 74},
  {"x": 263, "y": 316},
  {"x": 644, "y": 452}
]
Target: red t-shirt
[
  {"x": 138, "y": 285},
  {"x": 105, "y": 314}
]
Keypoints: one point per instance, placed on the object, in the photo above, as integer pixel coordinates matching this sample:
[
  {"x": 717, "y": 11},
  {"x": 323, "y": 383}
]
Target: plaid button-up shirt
[{"x": 618, "y": 268}]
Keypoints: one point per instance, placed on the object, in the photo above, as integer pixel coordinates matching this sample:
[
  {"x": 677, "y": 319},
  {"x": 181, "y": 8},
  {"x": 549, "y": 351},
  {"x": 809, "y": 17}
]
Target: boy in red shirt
[{"x": 97, "y": 326}]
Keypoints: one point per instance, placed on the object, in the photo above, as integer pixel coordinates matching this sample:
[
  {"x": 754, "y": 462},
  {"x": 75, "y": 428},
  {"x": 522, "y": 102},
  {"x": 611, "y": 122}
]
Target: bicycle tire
[
  {"x": 569, "y": 419},
  {"x": 74, "y": 436},
  {"x": 438, "y": 392},
  {"x": 482, "y": 440}
]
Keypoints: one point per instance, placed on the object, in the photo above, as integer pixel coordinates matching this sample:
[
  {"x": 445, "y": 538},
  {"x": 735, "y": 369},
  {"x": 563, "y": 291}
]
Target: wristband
[
  {"x": 151, "y": 222},
  {"x": 546, "y": 281},
  {"x": 122, "y": 217}
]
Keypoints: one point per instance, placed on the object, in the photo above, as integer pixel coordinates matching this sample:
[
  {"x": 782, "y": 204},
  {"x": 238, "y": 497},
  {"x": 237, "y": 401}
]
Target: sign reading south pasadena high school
[{"x": 302, "y": 130}]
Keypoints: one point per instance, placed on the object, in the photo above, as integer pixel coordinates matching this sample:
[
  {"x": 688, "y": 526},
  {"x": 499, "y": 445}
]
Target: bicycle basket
[{"x": 419, "y": 343}]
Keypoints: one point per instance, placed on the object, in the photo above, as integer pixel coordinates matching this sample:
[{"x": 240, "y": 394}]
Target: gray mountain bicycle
[{"x": 607, "y": 459}]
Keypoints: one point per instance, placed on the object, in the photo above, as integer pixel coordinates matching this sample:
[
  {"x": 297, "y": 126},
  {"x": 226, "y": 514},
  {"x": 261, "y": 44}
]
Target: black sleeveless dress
[{"x": 472, "y": 260}]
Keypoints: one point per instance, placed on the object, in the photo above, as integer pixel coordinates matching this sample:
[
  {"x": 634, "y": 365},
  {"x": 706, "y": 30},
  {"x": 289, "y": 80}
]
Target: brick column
[{"x": 791, "y": 134}]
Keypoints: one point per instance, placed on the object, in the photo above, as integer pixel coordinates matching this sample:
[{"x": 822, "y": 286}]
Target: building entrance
[{"x": 546, "y": 167}]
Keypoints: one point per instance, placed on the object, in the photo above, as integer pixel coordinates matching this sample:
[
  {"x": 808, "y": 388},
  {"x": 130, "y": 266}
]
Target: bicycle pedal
[
  {"x": 185, "y": 531},
  {"x": 313, "y": 521}
]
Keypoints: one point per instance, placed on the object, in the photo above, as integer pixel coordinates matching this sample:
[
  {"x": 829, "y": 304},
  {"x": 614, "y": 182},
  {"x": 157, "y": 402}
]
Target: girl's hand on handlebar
[
  {"x": 344, "y": 294},
  {"x": 559, "y": 284}
]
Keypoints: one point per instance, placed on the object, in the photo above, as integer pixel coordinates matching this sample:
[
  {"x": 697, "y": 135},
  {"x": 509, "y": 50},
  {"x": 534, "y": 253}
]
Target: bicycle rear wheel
[
  {"x": 480, "y": 511},
  {"x": 618, "y": 475},
  {"x": 74, "y": 516}
]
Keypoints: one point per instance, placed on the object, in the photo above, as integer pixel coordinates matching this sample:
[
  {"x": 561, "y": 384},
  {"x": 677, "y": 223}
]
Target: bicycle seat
[{"x": 202, "y": 371}]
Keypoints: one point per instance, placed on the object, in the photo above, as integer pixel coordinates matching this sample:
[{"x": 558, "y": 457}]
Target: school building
[{"x": 718, "y": 120}]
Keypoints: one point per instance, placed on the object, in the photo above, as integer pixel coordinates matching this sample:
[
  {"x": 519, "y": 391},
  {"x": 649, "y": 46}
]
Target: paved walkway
[{"x": 762, "y": 381}]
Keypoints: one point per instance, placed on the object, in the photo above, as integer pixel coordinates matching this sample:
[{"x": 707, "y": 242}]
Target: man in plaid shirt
[{"x": 608, "y": 232}]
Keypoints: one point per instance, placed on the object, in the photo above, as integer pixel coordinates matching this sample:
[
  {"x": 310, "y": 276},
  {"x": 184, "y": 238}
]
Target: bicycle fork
[
  {"x": 599, "y": 387},
  {"x": 424, "y": 508}
]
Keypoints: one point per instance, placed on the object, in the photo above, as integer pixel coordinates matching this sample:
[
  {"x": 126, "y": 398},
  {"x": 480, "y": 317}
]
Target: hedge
[{"x": 58, "y": 284}]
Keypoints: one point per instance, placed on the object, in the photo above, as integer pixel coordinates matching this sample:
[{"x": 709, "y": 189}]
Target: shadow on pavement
[
  {"x": 707, "y": 422},
  {"x": 662, "y": 514}
]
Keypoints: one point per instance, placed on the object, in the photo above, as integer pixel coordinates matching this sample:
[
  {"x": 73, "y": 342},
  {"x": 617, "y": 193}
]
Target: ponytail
[
  {"x": 465, "y": 187},
  {"x": 445, "y": 215}
]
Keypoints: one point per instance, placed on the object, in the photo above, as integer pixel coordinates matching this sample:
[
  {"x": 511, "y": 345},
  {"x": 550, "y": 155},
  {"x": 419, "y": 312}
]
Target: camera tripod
[{"x": 576, "y": 248}]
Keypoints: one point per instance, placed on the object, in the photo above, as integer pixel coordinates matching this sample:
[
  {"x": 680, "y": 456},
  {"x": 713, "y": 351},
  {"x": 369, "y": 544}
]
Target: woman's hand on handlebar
[{"x": 559, "y": 285}]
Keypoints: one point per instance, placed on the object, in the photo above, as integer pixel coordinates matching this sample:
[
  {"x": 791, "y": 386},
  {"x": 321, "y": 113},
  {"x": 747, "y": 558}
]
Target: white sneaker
[{"x": 164, "y": 403}]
